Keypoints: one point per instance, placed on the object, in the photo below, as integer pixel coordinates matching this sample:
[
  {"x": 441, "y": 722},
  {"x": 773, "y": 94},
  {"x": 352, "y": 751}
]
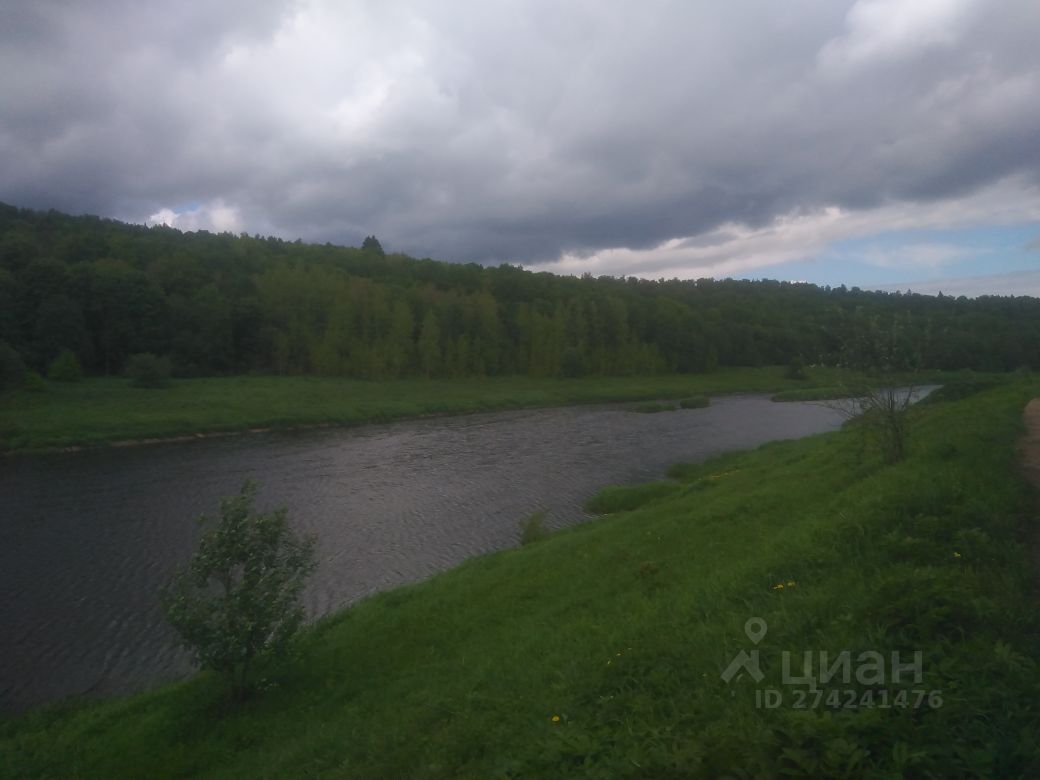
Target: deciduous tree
[{"x": 238, "y": 600}]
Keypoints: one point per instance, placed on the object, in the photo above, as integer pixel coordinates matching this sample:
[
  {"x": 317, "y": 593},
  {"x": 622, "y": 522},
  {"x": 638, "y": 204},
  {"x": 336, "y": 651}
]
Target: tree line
[{"x": 220, "y": 304}]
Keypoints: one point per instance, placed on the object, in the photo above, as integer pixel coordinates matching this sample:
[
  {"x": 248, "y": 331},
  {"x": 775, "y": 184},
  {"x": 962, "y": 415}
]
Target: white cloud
[
  {"x": 216, "y": 217},
  {"x": 882, "y": 30},
  {"x": 736, "y": 249},
  {"x": 163, "y": 216}
]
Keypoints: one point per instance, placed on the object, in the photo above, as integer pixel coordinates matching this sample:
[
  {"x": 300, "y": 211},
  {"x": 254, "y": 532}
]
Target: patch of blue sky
[{"x": 908, "y": 256}]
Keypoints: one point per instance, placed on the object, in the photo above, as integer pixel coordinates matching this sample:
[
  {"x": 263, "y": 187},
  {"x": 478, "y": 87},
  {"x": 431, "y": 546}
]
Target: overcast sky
[{"x": 876, "y": 142}]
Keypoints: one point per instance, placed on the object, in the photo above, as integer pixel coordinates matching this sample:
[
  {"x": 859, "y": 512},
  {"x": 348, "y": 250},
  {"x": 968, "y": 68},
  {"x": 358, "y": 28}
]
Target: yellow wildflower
[
  {"x": 555, "y": 718},
  {"x": 956, "y": 554},
  {"x": 778, "y": 586}
]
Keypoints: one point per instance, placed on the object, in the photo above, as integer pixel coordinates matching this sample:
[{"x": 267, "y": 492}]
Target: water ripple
[{"x": 87, "y": 539}]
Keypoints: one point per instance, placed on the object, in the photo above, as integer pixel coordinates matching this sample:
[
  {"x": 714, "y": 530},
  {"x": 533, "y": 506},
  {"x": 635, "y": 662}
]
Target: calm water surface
[{"x": 86, "y": 539}]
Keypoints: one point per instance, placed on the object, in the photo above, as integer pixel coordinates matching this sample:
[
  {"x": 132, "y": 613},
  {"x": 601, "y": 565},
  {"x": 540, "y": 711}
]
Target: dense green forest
[{"x": 220, "y": 304}]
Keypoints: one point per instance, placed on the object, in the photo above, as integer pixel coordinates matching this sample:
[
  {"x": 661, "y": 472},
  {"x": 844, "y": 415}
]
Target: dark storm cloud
[{"x": 518, "y": 130}]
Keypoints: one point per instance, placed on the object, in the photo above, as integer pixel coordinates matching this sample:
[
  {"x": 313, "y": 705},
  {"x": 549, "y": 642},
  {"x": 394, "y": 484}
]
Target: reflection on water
[{"x": 86, "y": 539}]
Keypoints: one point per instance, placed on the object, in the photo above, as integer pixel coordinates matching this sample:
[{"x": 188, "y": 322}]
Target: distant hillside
[{"x": 220, "y": 304}]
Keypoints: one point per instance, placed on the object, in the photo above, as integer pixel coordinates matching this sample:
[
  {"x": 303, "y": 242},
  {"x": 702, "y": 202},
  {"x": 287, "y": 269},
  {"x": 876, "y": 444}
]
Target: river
[{"x": 87, "y": 538}]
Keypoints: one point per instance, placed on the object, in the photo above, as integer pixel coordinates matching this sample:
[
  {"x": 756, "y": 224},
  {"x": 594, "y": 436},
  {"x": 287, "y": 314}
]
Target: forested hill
[{"x": 224, "y": 303}]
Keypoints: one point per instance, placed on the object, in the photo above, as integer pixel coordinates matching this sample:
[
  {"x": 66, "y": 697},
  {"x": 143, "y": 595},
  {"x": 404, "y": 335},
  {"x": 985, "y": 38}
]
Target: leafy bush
[
  {"x": 795, "y": 369},
  {"x": 34, "y": 383},
  {"x": 533, "y": 528},
  {"x": 12, "y": 370},
  {"x": 65, "y": 367},
  {"x": 148, "y": 370},
  {"x": 238, "y": 600},
  {"x": 697, "y": 402}
]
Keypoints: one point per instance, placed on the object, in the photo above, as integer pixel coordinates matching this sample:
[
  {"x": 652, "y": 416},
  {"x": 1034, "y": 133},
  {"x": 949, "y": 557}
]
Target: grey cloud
[{"x": 518, "y": 132}]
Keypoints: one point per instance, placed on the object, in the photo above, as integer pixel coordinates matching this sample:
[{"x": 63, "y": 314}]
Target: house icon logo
[{"x": 755, "y": 628}]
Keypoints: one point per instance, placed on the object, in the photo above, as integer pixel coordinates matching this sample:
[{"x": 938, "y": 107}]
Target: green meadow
[
  {"x": 105, "y": 410},
  {"x": 598, "y": 651}
]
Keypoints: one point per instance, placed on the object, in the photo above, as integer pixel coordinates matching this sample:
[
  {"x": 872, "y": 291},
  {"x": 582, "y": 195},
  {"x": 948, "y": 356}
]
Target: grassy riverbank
[
  {"x": 956, "y": 383},
  {"x": 100, "y": 411},
  {"x": 598, "y": 651}
]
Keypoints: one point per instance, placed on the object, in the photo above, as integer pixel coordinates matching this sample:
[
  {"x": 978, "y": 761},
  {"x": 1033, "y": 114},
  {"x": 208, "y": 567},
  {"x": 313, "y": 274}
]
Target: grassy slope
[
  {"x": 104, "y": 410},
  {"x": 621, "y": 627}
]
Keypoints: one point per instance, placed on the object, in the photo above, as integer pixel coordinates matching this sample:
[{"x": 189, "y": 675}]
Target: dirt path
[{"x": 1029, "y": 457}]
